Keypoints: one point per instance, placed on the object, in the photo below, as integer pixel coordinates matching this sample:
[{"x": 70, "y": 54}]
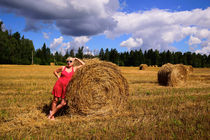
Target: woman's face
[{"x": 70, "y": 62}]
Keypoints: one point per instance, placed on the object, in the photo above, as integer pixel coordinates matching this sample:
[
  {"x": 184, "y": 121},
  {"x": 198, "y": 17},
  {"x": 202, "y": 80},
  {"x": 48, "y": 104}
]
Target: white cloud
[
  {"x": 157, "y": 28},
  {"x": 46, "y": 35},
  {"x": 203, "y": 33},
  {"x": 80, "y": 41},
  {"x": 56, "y": 43},
  {"x": 160, "y": 28},
  {"x": 59, "y": 45},
  {"x": 132, "y": 42},
  {"x": 204, "y": 50},
  {"x": 194, "y": 40}
]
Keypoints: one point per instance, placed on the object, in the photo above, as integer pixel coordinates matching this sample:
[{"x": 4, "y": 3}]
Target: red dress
[{"x": 59, "y": 89}]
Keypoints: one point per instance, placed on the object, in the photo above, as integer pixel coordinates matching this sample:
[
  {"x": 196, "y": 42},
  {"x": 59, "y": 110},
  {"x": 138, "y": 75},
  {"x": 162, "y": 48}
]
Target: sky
[{"x": 175, "y": 25}]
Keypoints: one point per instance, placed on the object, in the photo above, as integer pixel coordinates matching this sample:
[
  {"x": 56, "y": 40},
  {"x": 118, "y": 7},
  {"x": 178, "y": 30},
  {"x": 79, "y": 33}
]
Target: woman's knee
[
  {"x": 55, "y": 100},
  {"x": 63, "y": 102}
]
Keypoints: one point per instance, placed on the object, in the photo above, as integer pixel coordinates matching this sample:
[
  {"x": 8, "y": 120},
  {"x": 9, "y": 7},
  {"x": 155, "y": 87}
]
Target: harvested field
[{"x": 155, "y": 111}]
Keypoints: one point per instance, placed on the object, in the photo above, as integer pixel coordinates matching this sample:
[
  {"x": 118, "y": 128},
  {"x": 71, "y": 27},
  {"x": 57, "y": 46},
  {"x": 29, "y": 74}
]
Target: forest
[{"x": 15, "y": 49}]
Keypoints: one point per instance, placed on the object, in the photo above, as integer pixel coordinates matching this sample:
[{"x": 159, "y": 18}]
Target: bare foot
[{"x": 50, "y": 116}]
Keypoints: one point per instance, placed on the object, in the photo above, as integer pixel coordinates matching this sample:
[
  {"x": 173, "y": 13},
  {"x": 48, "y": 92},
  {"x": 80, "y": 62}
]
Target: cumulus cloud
[
  {"x": 56, "y": 43},
  {"x": 194, "y": 40},
  {"x": 158, "y": 29},
  {"x": 204, "y": 50},
  {"x": 72, "y": 17},
  {"x": 132, "y": 42},
  {"x": 46, "y": 35},
  {"x": 59, "y": 45}
]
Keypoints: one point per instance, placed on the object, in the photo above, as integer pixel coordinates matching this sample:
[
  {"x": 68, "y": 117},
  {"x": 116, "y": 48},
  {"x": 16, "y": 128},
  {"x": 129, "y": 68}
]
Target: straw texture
[
  {"x": 172, "y": 75},
  {"x": 98, "y": 88}
]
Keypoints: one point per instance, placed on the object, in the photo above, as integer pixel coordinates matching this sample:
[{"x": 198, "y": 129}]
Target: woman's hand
[
  {"x": 80, "y": 61},
  {"x": 58, "y": 71},
  {"x": 81, "y": 64}
]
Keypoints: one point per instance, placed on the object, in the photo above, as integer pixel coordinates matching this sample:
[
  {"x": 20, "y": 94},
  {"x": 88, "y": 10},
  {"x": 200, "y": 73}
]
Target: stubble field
[{"x": 155, "y": 112}]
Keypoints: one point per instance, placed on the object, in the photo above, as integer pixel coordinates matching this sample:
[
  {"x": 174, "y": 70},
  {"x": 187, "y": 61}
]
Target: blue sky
[{"x": 176, "y": 25}]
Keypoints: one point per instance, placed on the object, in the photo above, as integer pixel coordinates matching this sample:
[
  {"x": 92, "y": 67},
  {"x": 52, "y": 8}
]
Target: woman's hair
[{"x": 70, "y": 58}]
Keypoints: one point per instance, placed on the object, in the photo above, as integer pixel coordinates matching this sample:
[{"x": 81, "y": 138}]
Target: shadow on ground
[{"x": 47, "y": 107}]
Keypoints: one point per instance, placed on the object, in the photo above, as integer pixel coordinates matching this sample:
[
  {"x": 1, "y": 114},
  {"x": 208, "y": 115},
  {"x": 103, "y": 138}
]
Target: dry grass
[{"x": 156, "y": 112}]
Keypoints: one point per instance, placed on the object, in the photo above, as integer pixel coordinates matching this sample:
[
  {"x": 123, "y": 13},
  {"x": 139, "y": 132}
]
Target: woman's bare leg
[
  {"x": 53, "y": 107},
  {"x": 56, "y": 108}
]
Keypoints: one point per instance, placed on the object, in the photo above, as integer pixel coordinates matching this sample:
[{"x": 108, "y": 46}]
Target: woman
[{"x": 59, "y": 90}]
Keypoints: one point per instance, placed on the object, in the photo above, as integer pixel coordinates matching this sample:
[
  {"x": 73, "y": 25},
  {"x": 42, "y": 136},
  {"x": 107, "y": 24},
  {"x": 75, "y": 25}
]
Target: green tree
[
  {"x": 106, "y": 55},
  {"x": 101, "y": 54},
  {"x": 71, "y": 53},
  {"x": 1, "y": 24},
  {"x": 43, "y": 55},
  {"x": 141, "y": 57},
  {"x": 80, "y": 53},
  {"x": 177, "y": 58},
  {"x": 114, "y": 56},
  {"x": 156, "y": 57},
  {"x": 169, "y": 57}
]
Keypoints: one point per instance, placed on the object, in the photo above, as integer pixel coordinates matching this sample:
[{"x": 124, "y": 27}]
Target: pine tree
[
  {"x": 106, "y": 55},
  {"x": 141, "y": 57},
  {"x": 114, "y": 56},
  {"x": 71, "y": 53},
  {"x": 101, "y": 54},
  {"x": 80, "y": 53}
]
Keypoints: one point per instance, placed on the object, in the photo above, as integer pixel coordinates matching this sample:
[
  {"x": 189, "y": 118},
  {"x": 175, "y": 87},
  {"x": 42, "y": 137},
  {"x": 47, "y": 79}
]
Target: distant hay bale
[
  {"x": 172, "y": 75},
  {"x": 98, "y": 88},
  {"x": 52, "y": 64},
  {"x": 189, "y": 69},
  {"x": 143, "y": 66}
]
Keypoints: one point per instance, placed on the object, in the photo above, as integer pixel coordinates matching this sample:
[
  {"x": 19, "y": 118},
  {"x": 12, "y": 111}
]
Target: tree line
[
  {"x": 15, "y": 49},
  {"x": 154, "y": 57}
]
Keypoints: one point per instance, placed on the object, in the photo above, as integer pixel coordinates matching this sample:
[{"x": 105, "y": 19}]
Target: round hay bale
[
  {"x": 98, "y": 88},
  {"x": 172, "y": 75},
  {"x": 89, "y": 61},
  {"x": 143, "y": 66},
  {"x": 189, "y": 69}
]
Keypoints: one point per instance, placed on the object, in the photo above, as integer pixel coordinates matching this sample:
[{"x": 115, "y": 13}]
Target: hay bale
[
  {"x": 89, "y": 61},
  {"x": 98, "y": 88},
  {"x": 189, "y": 69},
  {"x": 172, "y": 75},
  {"x": 52, "y": 64},
  {"x": 143, "y": 66}
]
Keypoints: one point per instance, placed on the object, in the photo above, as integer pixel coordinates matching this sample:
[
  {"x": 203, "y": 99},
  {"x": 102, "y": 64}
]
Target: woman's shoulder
[{"x": 62, "y": 68}]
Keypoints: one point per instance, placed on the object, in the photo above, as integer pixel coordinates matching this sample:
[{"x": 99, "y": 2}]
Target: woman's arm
[
  {"x": 58, "y": 71},
  {"x": 81, "y": 64}
]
